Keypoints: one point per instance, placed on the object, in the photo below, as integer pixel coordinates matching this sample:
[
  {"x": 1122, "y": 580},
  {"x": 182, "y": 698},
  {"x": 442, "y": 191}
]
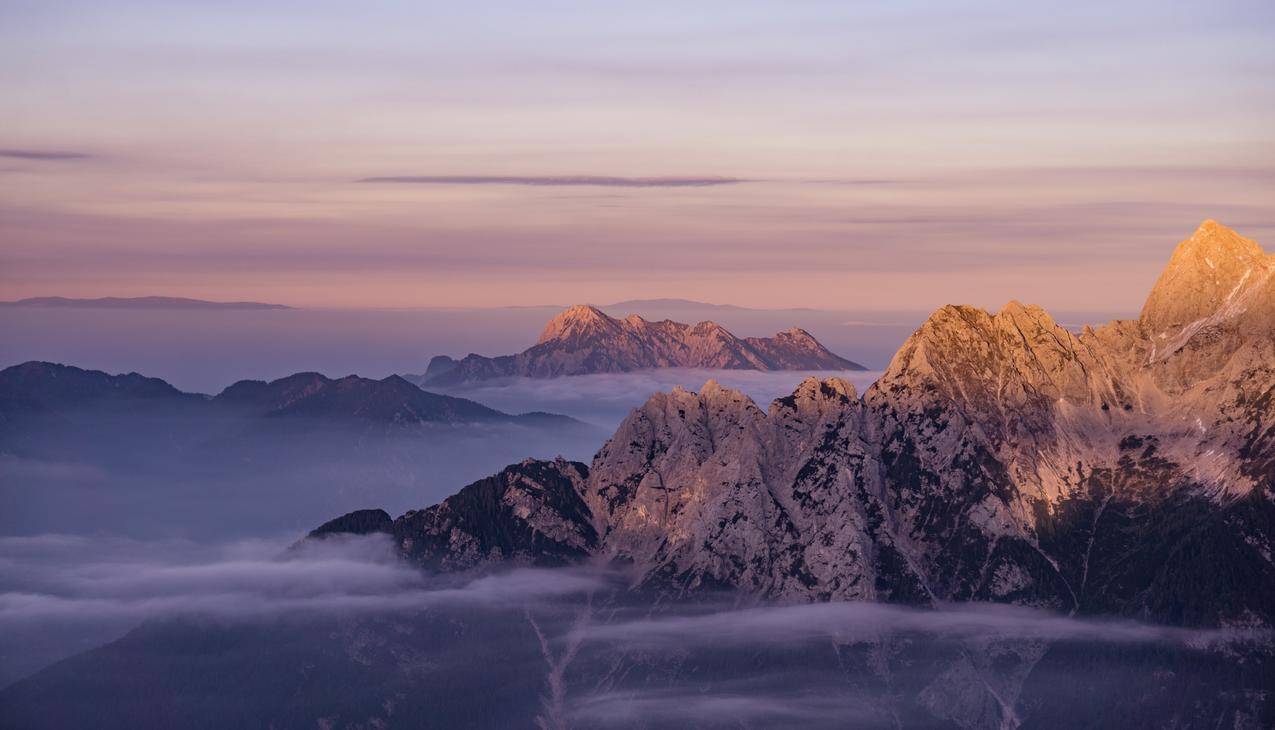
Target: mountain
[
  {"x": 438, "y": 365},
  {"x": 134, "y": 303},
  {"x": 53, "y": 384},
  {"x": 530, "y": 513},
  {"x": 134, "y": 453},
  {"x": 583, "y": 340},
  {"x": 1122, "y": 470},
  {"x": 394, "y": 401}
]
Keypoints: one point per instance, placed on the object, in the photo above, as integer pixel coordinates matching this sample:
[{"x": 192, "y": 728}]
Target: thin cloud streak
[
  {"x": 605, "y": 399},
  {"x": 860, "y": 621},
  {"x": 61, "y": 594},
  {"x": 561, "y": 181},
  {"x": 752, "y": 702},
  {"x": 70, "y": 581},
  {"x": 47, "y": 155}
]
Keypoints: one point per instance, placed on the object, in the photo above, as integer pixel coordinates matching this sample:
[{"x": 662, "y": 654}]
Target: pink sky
[{"x": 898, "y": 157}]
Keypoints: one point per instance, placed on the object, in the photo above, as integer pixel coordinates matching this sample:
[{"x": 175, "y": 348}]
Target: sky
[{"x": 845, "y": 155}]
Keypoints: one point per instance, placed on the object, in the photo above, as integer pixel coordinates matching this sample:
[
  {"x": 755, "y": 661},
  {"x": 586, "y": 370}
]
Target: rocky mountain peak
[
  {"x": 709, "y": 328},
  {"x": 574, "y": 321},
  {"x": 583, "y": 340},
  {"x": 1016, "y": 310},
  {"x": 796, "y": 336},
  {"x": 1005, "y": 372},
  {"x": 713, "y": 390},
  {"x": 1213, "y": 268},
  {"x": 1000, "y": 458},
  {"x": 814, "y": 390}
]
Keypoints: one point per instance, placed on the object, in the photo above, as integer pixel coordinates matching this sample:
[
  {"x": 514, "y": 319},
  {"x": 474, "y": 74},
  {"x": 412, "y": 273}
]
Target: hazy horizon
[{"x": 205, "y": 350}]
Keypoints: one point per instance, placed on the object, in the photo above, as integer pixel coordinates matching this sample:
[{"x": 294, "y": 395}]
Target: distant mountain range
[
  {"x": 583, "y": 340},
  {"x": 49, "y": 387},
  {"x": 133, "y": 303},
  {"x": 259, "y": 457}
]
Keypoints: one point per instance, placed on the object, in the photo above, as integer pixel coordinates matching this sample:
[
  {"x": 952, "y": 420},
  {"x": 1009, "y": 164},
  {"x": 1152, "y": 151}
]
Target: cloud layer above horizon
[
  {"x": 829, "y": 155},
  {"x": 560, "y": 181}
]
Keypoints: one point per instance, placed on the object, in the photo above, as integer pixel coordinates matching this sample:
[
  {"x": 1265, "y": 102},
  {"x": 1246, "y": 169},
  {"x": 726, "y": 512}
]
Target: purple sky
[{"x": 825, "y": 154}]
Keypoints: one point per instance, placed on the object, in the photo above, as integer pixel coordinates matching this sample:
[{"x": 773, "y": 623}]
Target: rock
[
  {"x": 1000, "y": 457},
  {"x": 583, "y": 340},
  {"x": 358, "y": 522}
]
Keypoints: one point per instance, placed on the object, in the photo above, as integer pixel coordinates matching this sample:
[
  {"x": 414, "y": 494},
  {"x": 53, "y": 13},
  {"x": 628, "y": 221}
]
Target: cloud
[
  {"x": 800, "y": 665},
  {"x": 739, "y": 703},
  {"x": 605, "y": 399},
  {"x": 60, "y": 578},
  {"x": 561, "y": 181},
  {"x": 859, "y": 181},
  {"x": 14, "y": 154},
  {"x": 78, "y": 584},
  {"x": 848, "y": 622},
  {"x": 62, "y": 594}
]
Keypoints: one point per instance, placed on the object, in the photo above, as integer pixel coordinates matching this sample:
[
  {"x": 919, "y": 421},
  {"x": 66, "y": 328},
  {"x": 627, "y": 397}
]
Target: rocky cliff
[{"x": 1125, "y": 469}]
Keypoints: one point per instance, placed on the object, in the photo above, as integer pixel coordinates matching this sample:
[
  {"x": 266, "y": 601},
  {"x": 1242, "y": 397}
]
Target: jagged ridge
[
  {"x": 584, "y": 340},
  {"x": 1000, "y": 457}
]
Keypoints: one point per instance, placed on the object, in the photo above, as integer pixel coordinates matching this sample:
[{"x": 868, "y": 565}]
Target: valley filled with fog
[
  {"x": 177, "y": 482},
  {"x": 387, "y": 644},
  {"x": 136, "y": 535}
]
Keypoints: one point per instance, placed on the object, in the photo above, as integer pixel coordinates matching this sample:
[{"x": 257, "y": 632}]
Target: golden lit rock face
[
  {"x": 1213, "y": 268},
  {"x": 970, "y": 452},
  {"x": 583, "y": 340},
  {"x": 1190, "y": 373},
  {"x": 576, "y": 322}
]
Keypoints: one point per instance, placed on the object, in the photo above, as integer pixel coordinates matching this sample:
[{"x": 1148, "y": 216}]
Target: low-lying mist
[
  {"x": 572, "y": 647},
  {"x": 61, "y": 594},
  {"x": 187, "y": 474},
  {"x": 606, "y": 399},
  {"x": 120, "y": 515},
  {"x": 199, "y": 478}
]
